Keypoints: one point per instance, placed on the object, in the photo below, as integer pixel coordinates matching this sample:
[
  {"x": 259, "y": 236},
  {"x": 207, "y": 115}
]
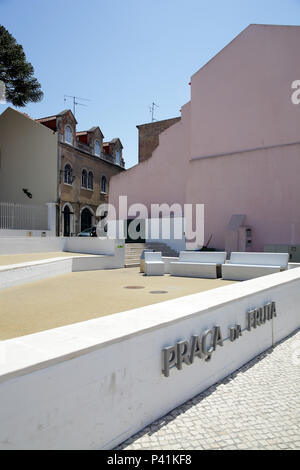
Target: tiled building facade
[{"x": 85, "y": 166}]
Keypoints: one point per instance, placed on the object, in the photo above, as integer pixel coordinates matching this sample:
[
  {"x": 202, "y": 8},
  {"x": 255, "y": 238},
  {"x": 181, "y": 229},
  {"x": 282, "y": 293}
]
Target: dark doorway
[
  {"x": 67, "y": 217},
  {"x": 86, "y": 219},
  {"x": 140, "y": 229}
]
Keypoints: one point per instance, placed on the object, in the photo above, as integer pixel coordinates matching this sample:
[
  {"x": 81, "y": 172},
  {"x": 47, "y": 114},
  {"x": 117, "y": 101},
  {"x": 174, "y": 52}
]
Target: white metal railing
[{"x": 23, "y": 216}]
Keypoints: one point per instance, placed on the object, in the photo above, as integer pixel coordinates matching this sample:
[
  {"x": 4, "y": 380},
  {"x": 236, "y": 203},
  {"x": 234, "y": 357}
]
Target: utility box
[{"x": 245, "y": 238}]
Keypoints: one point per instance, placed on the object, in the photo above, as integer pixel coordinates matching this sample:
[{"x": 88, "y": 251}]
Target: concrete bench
[
  {"x": 244, "y": 266},
  {"x": 154, "y": 265},
  {"x": 168, "y": 260},
  {"x": 205, "y": 264}
]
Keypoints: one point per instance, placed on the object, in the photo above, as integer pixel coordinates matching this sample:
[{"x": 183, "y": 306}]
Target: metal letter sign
[{"x": 202, "y": 346}]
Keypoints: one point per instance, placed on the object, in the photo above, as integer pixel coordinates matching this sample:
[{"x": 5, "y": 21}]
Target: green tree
[{"x": 16, "y": 73}]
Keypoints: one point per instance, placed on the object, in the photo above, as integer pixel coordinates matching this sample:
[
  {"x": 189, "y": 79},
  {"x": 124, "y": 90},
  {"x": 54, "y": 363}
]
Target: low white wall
[
  {"x": 293, "y": 265},
  {"x": 110, "y": 254},
  {"x": 92, "y": 245},
  {"x": 20, "y": 245},
  {"x": 22, "y": 273},
  {"x": 15, "y": 275},
  {"x": 25, "y": 233},
  {"x": 92, "y": 385},
  {"x": 87, "y": 245},
  {"x": 93, "y": 263}
]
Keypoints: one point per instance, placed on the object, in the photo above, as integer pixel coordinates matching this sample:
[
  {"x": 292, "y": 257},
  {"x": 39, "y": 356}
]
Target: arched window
[
  {"x": 68, "y": 220},
  {"x": 68, "y": 174},
  {"x": 103, "y": 185},
  {"x": 90, "y": 180},
  {"x": 68, "y": 135},
  {"x": 97, "y": 148},
  {"x": 84, "y": 179}
]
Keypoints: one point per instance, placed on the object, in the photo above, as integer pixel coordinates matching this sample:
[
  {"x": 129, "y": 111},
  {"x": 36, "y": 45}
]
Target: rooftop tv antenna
[
  {"x": 75, "y": 102},
  {"x": 152, "y": 109}
]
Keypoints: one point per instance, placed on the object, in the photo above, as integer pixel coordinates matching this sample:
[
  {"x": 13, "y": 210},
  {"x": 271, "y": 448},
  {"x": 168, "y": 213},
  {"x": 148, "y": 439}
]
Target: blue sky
[{"x": 125, "y": 54}]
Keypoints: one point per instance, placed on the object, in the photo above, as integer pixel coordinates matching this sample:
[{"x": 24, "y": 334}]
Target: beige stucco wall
[{"x": 28, "y": 160}]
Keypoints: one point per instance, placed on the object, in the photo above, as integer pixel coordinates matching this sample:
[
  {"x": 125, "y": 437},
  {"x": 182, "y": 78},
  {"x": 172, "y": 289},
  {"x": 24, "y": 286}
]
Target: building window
[
  {"x": 84, "y": 179},
  {"x": 90, "y": 180},
  {"x": 68, "y": 174},
  {"x": 118, "y": 159},
  {"x": 103, "y": 185},
  {"x": 68, "y": 135},
  {"x": 87, "y": 219},
  {"x": 97, "y": 148}
]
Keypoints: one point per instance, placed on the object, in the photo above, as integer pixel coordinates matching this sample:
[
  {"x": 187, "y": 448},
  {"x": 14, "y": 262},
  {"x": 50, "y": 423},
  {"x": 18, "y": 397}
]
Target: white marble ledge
[{"x": 28, "y": 264}]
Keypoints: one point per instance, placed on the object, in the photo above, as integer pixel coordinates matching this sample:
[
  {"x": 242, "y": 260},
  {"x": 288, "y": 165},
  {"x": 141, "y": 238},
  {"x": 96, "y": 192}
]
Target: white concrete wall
[
  {"x": 91, "y": 385},
  {"x": 18, "y": 274},
  {"x": 25, "y": 233},
  {"x": 22, "y": 273},
  {"x": 20, "y": 245},
  {"x": 109, "y": 254},
  {"x": 91, "y": 245},
  {"x": 113, "y": 249},
  {"x": 106, "y": 261},
  {"x": 96, "y": 246}
]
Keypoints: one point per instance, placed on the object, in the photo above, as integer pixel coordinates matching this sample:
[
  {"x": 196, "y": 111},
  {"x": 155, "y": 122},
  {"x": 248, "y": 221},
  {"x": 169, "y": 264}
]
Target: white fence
[{"x": 23, "y": 216}]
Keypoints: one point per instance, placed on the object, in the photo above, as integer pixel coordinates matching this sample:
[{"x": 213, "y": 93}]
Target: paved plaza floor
[
  {"x": 257, "y": 407},
  {"x": 80, "y": 296}
]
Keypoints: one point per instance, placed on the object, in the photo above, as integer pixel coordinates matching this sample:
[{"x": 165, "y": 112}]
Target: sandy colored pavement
[
  {"x": 81, "y": 296},
  {"x": 25, "y": 258}
]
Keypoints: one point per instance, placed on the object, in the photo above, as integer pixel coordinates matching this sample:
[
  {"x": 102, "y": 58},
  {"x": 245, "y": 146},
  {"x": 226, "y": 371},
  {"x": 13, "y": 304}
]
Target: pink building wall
[
  {"x": 235, "y": 149},
  {"x": 263, "y": 184},
  {"x": 241, "y": 99}
]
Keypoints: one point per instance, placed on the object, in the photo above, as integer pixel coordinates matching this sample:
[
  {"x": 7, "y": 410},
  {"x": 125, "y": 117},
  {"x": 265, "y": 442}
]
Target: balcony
[
  {"x": 107, "y": 157},
  {"x": 83, "y": 147},
  {"x": 110, "y": 158}
]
